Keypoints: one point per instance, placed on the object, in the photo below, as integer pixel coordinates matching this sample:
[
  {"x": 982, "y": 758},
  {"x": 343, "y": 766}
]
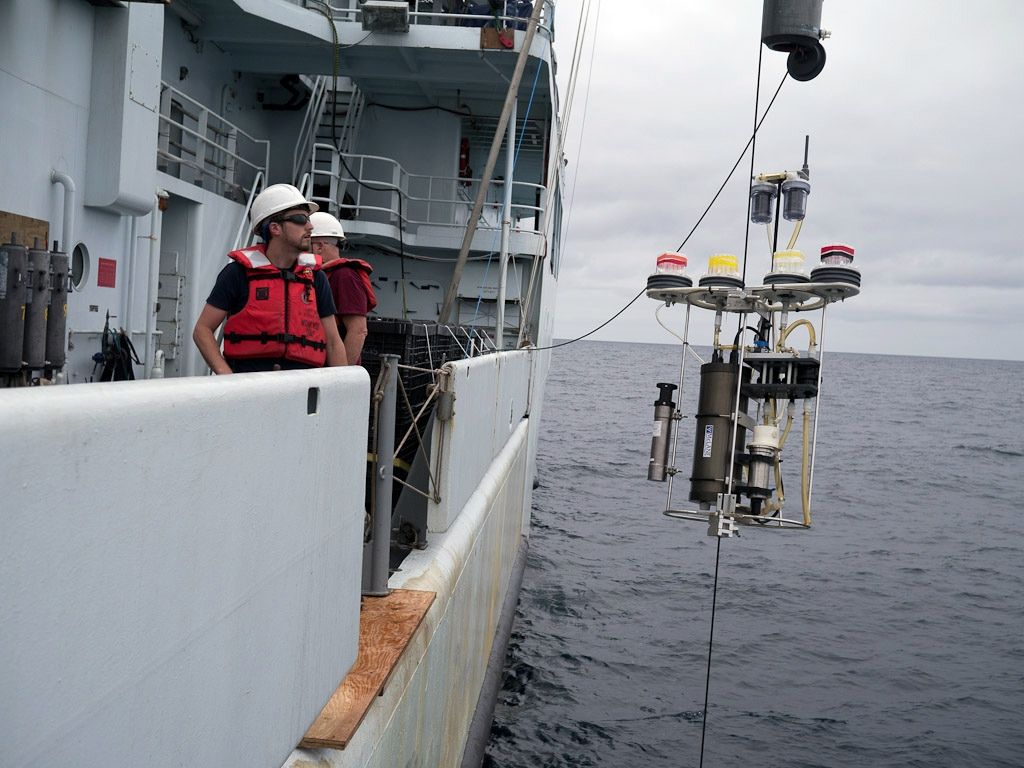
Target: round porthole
[{"x": 79, "y": 266}]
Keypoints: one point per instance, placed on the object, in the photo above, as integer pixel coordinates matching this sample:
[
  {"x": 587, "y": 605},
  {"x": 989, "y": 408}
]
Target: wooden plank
[{"x": 386, "y": 625}]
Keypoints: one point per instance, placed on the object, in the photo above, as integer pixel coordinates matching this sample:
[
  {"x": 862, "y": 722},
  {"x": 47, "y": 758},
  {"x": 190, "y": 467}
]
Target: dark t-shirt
[{"x": 231, "y": 292}]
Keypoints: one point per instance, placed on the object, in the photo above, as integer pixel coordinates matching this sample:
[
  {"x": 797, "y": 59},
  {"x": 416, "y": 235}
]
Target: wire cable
[
  {"x": 711, "y": 635},
  {"x": 588, "y": 333},
  {"x": 736, "y": 164},
  {"x": 699, "y": 221},
  {"x": 746, "y": 241},
  {"x": 753, "y": 155},
  {"x": 583, "y": 127}
]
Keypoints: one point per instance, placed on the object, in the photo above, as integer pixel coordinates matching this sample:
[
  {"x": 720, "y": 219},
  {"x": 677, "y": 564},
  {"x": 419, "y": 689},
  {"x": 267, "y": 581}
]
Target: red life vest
[
  {"x": 280, "y": 317},
  {"x": 363, "y": 269}
]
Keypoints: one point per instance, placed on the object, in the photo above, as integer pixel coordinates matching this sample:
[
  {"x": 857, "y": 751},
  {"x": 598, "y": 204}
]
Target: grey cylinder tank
[
  {"x": 37, "y": 302},
  {"x": 57, "y": 316},
  {"x": 664, "y": 411},
  {"x": 794, "y": 27},
  {"x": 786, "y": 23},
  {"x": 13, "y": 261},
  {"x": 712, "y": 450}
]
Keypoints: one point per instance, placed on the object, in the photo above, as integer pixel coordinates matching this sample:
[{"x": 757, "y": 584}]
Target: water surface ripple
[{"x": 891, "y": 634}]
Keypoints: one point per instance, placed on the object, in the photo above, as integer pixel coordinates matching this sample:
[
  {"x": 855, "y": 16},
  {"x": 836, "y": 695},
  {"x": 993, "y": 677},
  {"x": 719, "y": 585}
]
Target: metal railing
[
  {"x": 310, "y": 121},
  {"x": 453, "y": 13},
  {"x": 244, "y": 235},
  {"x": 382, "y": 191},
  {"x": 196, "y": 144}
]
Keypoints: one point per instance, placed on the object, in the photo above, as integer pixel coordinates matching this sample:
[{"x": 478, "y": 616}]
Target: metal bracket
[
  {"x": 722, "y": 522},
  {"x": 722, "y": 526}
]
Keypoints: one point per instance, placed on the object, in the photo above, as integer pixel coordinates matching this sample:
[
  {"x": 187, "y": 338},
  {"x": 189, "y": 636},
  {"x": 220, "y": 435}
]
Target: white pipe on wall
[
  {"x": 70, "y": 203},
  {"x": 133, "y": 245}
]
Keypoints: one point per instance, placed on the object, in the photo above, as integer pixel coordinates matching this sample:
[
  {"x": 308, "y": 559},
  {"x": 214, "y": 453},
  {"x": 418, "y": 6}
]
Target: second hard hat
[
  {"x": 277, "y": 198},
  {"x": 325, "y": 225}
]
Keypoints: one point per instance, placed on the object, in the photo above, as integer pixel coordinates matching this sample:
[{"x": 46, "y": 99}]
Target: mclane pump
[{"x": 758, "y": 394}]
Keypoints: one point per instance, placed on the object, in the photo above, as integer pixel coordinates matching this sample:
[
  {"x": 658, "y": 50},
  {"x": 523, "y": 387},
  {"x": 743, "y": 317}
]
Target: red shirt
[{"x": 348, "y": 291}]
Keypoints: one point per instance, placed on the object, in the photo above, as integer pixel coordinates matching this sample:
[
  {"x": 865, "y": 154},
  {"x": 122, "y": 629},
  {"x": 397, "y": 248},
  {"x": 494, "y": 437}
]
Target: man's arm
[
  {"x": 335, "y": 346},
  {"x": 204, "y": 335},
  {"x": 355, "y": 335}
]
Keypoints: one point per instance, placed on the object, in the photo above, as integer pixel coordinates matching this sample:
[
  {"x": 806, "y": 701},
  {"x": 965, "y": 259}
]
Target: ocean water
[{"x": 890, "y": 634}]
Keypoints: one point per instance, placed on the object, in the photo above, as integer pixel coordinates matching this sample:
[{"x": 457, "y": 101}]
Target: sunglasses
[{"x": 302, "y": 219}]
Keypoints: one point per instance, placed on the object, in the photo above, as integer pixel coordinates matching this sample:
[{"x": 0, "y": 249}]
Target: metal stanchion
[{"x": 380, "y": 542}]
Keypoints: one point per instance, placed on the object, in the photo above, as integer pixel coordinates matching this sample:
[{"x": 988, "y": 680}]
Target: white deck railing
[
  {"x": 198, "y": 145},
  {"x": 453, "y": 13},
  {"x": 376, "y": 183}
]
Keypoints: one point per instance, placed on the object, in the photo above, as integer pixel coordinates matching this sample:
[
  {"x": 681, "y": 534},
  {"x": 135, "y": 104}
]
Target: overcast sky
[{"x": 916, "y": 127}]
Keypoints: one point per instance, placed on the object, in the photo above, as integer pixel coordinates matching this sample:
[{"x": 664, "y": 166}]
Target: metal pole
[
  {"x": 679, "y": 408},
  {"x": 817, "y": 404},
  {"x": 506, "y": 227},
  {"x": 380, "y": 557},
  {"x": 492, "y": 158},
  {"x": 736, "y": 403}
]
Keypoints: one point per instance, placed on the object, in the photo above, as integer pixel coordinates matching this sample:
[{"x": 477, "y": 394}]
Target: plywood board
[
  {"x": 491, "y": 38},
  {"x": 386, "y": 625},
  {"x": 26, "y": 229}
]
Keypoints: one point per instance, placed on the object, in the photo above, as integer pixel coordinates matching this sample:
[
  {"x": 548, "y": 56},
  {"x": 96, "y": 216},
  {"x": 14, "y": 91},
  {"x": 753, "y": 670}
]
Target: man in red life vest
[
  {"x": 350, "y": 283},
  {"x": 276, "y": 301}
]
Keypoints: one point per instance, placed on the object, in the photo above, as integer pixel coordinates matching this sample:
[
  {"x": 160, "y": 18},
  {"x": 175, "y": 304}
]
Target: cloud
[{"x": 915, "y": 159}]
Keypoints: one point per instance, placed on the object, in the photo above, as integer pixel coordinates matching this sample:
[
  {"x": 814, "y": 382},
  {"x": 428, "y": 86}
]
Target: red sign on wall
[{"x": 106, "y": 273}]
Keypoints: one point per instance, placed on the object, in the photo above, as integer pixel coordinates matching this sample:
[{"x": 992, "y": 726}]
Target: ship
[{"x": 309, "y": 567}]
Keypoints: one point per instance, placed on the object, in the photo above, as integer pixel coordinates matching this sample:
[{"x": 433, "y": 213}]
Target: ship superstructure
[{"x": 185, "y": 585}]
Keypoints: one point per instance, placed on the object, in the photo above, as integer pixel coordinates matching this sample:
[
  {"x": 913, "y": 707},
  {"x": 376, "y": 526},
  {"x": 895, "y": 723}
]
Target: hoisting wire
[
  {"x": 711, "y": 636},
  {"x": 746, "y": 240},
  {"x": 738, "y": 160},
  {"x": 588, "y": 333},
  {"x": 750, "y": 141}
]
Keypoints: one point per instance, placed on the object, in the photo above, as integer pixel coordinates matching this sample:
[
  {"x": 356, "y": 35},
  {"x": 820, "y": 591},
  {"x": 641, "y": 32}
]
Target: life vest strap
[{"x": 280, "y": 338}]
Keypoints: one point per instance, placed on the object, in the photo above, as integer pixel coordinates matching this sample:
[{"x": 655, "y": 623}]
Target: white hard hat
[
  {"x": 325, "y": 225},
  {"x": 277, "y": 198}
]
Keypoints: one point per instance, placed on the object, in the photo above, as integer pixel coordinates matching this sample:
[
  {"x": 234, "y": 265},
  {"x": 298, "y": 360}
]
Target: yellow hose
[
  {"x": 785, "y": 431},
  {"x": 789, "y": 329},
  {"x": 795, "y": 235}
]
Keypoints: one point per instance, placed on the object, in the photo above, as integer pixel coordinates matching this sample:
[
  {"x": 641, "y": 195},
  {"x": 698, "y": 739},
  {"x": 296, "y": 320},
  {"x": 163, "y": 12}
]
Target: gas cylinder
[
  {"x": 57, "y": 316},
  {"x": 13, "y": 258},
  {"x": 37, "y": 302}
]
